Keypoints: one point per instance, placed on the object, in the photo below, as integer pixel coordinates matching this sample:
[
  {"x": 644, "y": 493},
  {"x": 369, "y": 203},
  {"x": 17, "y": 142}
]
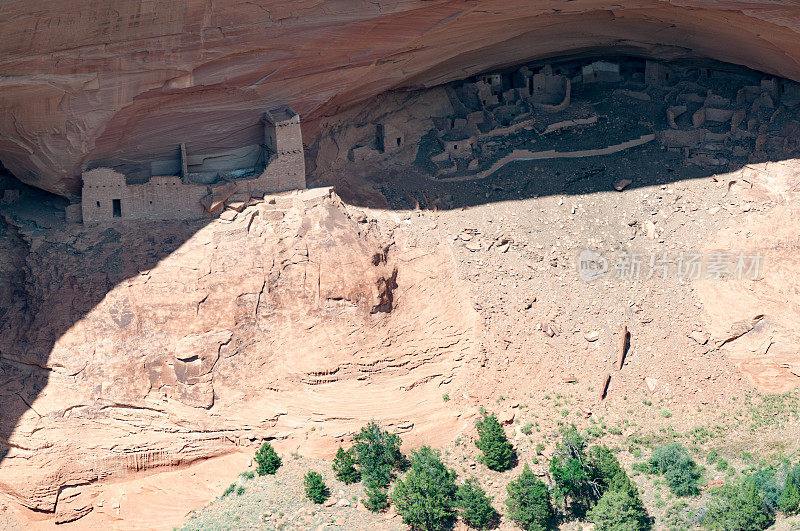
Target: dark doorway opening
[{"x": 117, "y": 208}]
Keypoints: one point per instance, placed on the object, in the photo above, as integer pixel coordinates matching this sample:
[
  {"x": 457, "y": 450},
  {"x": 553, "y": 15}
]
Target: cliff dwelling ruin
[
  {"x": 184, "y": 276},
  {"x": 203, "y": 186},
  {"x": 686, "y": 118}
]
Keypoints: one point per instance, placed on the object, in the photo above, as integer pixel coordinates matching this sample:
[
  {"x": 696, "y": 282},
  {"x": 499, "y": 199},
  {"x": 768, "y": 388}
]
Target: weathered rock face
[
  {"x": 123, "y": 83},
  {"x": 138, "y": 347},
  {"x": 755, "y": 322}
]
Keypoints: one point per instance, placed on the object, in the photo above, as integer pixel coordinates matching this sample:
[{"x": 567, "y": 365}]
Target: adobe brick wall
[
  {"x": 165, "y": 198},
  {"x": 161, "y": 198}
]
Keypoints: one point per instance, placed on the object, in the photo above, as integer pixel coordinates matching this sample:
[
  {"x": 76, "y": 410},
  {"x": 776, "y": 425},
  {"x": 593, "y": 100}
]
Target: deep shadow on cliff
[
  {"x": 44, "y": 295},
  {"x": 644, "y": 167},
  {"x": 52, "y": 274},
  {"x": 46, "y": 288}
]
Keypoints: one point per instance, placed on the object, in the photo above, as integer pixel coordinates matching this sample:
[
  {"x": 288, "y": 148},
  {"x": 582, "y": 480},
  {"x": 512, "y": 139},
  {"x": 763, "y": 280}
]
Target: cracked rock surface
[{"x": 137, "y": 347}]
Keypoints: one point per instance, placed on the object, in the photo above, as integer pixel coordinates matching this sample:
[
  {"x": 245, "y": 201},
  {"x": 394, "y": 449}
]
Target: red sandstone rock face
[
  {"x": 86, "y": 83},
  {"x": 144, "y": 346}
]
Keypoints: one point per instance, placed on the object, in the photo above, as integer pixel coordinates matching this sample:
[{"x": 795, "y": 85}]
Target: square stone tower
[
  {"x": 282, "y": 133},
  {"x": 286, "y": 169}
]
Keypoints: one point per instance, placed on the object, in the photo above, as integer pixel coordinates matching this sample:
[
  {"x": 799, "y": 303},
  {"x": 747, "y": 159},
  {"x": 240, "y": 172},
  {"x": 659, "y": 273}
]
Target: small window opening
[
  {"x": 398, "y": 140},
  {"x": 117, "y": 206},
  {"x": 98, "y": 204}
]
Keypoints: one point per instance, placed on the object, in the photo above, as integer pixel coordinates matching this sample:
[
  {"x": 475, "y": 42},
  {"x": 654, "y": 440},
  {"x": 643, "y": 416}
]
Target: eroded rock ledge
[
  {"x": 154, "y": 345},
  {"x": 119, "y": 85}
]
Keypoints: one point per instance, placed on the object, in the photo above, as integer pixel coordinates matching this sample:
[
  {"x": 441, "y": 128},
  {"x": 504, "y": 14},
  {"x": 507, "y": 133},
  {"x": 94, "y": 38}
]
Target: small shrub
[
  {"x": 577, "y": 480},
  {"x": 230, "y": 488},
  {"x": 620, "y": 508},
  {"x": 679, "y": 469},
  {"x": 426, "y": 497},
  {"x": 378, "y": 454},
  {"x": 737, "y": 506},
  {"x": 498, "y": 454},
  {"x": 666, "y": 413},
  {"x": 529, "y": 502},
  {"x": 247, "y": 475},
  {"x": 712, "y": 457},
  {"x": 476, "y": 506},
  {"x": 316, "y": 490},
  {"x": 240, "y": 490},
  {"x": 721, "y": 465},
  {"x": 527, "y": 429},
  {"x": 594, "y": 431},
  {"x": 446, "y": 397},
  {"x": 267, "y": 460},
  {"x": 789, "y": 501},
  {"x": 539, "y": 448},
  {"x": 377, "y": 499},
  {"x": 679, "y": 517},
  {"x": 344, "y": 466}
]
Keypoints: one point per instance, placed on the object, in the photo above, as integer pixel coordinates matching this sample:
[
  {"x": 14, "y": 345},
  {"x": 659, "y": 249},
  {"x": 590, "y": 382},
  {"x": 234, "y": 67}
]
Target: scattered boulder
[
  {"x": 699, "y": 337},
  {"x": 623, "y": 347},
  {"x": 506, "y": 417},
  {"x": 604, "y": 385},
  {"x": 650, "y": 229},
  {"x": 699, "y": 117},
  {"x": 621, "y": 184},
  {"x": 550, "y": 329}
]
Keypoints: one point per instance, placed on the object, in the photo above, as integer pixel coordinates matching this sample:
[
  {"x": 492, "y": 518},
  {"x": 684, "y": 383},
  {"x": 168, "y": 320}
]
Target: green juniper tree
[
  {"x": 620, "y": 508},
  {"x": 344, "y": 466},
  {"x": 267, "y": 460},
  {"x": 476, "y": 506},
  {"x": 529, "y": 502},
  {"x": 737, "y": 506},
  {"x": 574, "y": 476},
  {"x": 426, "y": 497},
  {"x": 378, "y": 454},
  {"x": 789, "y": 501},
  {"x": 498, "y": 454},
  {"x": 316, "y": 490}
]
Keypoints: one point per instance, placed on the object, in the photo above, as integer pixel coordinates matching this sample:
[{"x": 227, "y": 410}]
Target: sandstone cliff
[
  {"x": 137, "y": 347},
  {"x": 122, "y": 83}
]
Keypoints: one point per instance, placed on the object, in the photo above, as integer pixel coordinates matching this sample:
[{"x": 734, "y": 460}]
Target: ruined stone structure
[
  {"x": 108, "y": 196},
  {"x": 390, "y": 137},
  {"x": 470, "y": 141},
  {"x": 601, "y": 72},
  {"x": 549, "y": 88}
]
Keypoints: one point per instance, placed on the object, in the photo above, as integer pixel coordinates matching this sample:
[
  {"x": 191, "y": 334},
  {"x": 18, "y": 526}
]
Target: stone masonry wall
[{"x": 161, "y": 198}]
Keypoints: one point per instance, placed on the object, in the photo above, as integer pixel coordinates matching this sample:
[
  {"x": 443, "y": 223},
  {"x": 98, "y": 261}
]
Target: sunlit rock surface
[{"x": 149, "y": 346}]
